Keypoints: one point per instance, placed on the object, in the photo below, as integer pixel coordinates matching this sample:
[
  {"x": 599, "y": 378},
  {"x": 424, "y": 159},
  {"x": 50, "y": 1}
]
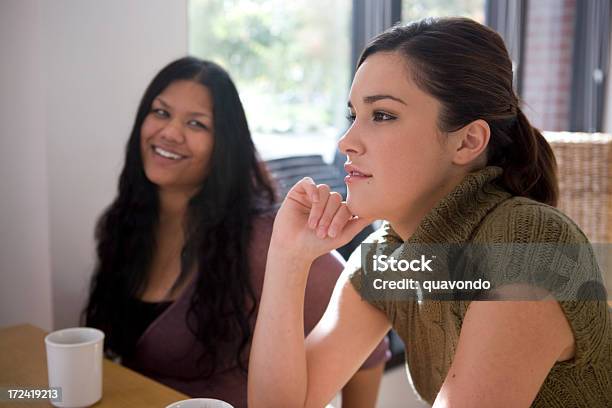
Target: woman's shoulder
[
  {"x": 528, "y": 242},
  {"x": 523, "y": 220}
]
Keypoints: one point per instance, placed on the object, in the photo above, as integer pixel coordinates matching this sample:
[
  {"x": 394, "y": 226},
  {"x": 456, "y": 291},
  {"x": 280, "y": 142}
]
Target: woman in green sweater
[{"x": 440, "y": 149}]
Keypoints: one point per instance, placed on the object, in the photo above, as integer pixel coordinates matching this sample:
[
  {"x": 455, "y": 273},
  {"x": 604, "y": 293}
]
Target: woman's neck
[
  {"x": 172, "y": 207},
  {"x": 407, "y": 223}
]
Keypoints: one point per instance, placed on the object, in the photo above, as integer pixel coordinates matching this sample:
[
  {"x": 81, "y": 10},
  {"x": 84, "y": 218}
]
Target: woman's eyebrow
[
  {"x": 199, "y": 114},
  {"x": 160, "y": 100},
  {"x": 165, "y": 105},
  {"x": 374, "y": 98}
]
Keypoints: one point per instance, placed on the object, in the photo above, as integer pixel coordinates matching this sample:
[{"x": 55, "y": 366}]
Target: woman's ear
[{"x": 472, "y": 141}]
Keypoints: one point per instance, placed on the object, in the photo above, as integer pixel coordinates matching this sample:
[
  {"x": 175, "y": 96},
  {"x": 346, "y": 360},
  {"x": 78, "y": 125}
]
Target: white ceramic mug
[
  {"x": 74, "y": 364},
  {"x": 200, "y": 403}
]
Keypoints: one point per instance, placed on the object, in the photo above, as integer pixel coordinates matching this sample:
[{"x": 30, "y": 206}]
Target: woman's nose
[
  {"x": 173, "y": 132},
  {"x": 349, "y": 142}
]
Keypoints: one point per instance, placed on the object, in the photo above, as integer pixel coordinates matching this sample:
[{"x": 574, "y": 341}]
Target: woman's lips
[
  {"x": 165, "y": 156},
  {"x": 355, "y": 176},
  {"x": 166, "y": 153}
]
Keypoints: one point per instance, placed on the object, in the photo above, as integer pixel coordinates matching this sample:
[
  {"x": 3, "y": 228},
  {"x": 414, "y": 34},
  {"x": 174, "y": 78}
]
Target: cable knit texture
[{"x": 480, "y": 212}]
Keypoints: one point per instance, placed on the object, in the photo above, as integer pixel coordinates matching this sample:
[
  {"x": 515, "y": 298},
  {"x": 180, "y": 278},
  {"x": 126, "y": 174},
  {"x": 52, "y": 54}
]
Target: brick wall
[{"x": 547, "y": 75}]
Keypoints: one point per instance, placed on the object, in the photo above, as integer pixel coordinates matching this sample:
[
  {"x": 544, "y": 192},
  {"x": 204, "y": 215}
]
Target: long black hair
[{"x": 217, "y": 226}]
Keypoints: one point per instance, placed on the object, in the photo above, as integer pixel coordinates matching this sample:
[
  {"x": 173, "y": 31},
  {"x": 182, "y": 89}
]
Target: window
[
  {"x": 292, "y": 60},
  {"x": 291, "y": 63},
  {"x": 417, "y": 9}
]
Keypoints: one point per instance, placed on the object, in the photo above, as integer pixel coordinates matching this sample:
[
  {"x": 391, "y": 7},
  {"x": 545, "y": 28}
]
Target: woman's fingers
[
  {"x": 311, "y": 189},
  {"x": 334, "y": 201},
  {"x": 318, "y": 207},
  {"x": 345, "y": 225},
  {"x": 328, "y": 214},
  {"x": 305, "y": 188},
  {"x": 354, "y": 226},
  {"x": 343, "y": 215}
]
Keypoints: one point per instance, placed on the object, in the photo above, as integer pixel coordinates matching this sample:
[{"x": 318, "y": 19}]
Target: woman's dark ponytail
[
  {"x": 466, "y": 67},
  {"x": 530, "y": 168}
]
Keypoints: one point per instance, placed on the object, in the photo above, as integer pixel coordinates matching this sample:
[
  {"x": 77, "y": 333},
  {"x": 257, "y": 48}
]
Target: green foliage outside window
[{"x": 289, "y": 59}]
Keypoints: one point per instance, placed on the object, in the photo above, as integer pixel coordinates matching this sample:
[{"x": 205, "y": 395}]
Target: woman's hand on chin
[{"x": 312, "y": 221}]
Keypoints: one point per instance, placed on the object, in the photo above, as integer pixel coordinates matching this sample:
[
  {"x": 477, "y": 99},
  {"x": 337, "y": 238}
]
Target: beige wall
[
  {"x": 79, "y": 69},
  {"x": 25, "y": 260}
]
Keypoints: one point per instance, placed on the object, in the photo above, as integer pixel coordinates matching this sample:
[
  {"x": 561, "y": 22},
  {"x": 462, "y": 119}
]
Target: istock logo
[{"x": 382, "y": 263}]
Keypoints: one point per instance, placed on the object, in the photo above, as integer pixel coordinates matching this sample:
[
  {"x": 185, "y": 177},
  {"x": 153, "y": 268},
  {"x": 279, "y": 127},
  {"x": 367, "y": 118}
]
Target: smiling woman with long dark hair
[{"x": 181, "y": 251}]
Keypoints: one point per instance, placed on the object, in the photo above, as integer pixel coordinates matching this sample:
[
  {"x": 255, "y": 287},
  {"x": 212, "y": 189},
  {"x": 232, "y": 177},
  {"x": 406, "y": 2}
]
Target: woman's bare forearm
[
  {"x": 311, "y": 222},
  {"x": 277, "y": 366},
  {"x": 362, "y": 389}
]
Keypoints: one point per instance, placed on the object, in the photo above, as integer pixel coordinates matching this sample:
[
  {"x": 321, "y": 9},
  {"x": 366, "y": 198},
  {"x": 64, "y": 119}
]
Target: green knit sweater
[{"x": 477, "y": 211}]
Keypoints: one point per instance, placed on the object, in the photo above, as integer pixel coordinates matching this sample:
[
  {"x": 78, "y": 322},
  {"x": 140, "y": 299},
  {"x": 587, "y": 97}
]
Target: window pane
[
  {"x": 290, "y": 61},
  {"x": 418, "y": 9}
]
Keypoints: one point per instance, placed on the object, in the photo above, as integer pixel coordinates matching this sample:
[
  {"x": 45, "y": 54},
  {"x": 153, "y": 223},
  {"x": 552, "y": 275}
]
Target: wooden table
[{"x": 23, "y": 363}]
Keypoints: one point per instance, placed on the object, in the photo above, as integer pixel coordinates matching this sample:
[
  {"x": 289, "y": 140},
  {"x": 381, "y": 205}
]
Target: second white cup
[
  {"x": 200, "y": 403},
  {"x": 74, "y": 364}
]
